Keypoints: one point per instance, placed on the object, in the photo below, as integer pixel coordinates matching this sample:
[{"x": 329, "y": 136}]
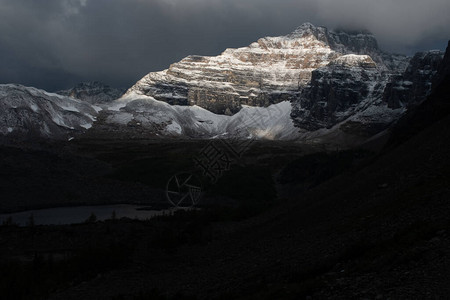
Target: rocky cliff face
[
  {"x": 269, "y": 71},
  {"x": 31, "y": 112},
  {"x": 93, "y": 92},
  {"x": 414, "y": 85},
  {"x": 339, "y": 90},
  {"x": 362, "y": 93}
]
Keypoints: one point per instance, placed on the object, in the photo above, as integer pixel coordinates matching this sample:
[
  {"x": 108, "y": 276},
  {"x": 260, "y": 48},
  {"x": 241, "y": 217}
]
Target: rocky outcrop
[
  {"x": 364, "y": 93},
  {"x": 29, "y": 112},
  {"x": 269, "y": 71},
  {"x": 414, "y": 85},
  {"x": 93, "y": 92}
]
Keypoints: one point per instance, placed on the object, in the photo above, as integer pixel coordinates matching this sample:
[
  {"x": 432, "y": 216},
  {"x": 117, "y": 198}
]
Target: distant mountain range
[
  {"x": 93, "y": 92},
  {"x": 313, "y": 84}
]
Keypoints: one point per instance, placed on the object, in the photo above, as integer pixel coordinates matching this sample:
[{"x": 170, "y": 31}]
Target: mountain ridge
[
  {"x": 322, "y": 82},
  {"x": 268, "y": 71},
  {"x": 27, "y": 112}
]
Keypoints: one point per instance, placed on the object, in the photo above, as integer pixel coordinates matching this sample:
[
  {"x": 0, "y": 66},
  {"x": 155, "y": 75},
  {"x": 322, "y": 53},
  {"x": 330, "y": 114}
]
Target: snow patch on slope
[
  {"x": 27, "y": 110},
  {"x": 273, "y": 122}
]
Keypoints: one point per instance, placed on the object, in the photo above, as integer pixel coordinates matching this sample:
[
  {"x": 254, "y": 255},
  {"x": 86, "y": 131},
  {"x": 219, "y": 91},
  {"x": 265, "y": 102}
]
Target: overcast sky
[{"x": 54, "y": 44}]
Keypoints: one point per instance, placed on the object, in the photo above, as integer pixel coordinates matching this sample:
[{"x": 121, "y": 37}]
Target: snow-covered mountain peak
[
  {"x": 266, "y": 72},
  {"x": 305, "y": 26},
  {"x": 308, "y": 29},
  {"x": 270, "y": 70}
]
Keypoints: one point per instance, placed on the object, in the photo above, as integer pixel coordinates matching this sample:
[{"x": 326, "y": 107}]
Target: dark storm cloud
[{"x": 53, "y": 44}]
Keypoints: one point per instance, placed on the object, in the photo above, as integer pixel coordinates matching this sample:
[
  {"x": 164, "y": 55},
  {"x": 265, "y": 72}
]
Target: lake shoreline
[{"x": 66, "y": 215}]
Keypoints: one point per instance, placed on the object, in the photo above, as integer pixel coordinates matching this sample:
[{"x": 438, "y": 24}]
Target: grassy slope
[{"x": 375, "y": 231}]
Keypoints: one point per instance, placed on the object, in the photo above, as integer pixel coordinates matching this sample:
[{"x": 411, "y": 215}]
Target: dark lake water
[{"x": 79, "y": 214}]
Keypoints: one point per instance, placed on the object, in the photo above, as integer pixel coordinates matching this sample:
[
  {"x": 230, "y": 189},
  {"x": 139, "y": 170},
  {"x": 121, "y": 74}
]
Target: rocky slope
[
  {"x": 380, "y": 229},
  {"x": 30, "y": 112},
  {"x": 93, "y": 92},
  {"x": 412, "y": 87},
  {"x": 269, "y": 71},
  {"x": 436, "y": 106}
]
